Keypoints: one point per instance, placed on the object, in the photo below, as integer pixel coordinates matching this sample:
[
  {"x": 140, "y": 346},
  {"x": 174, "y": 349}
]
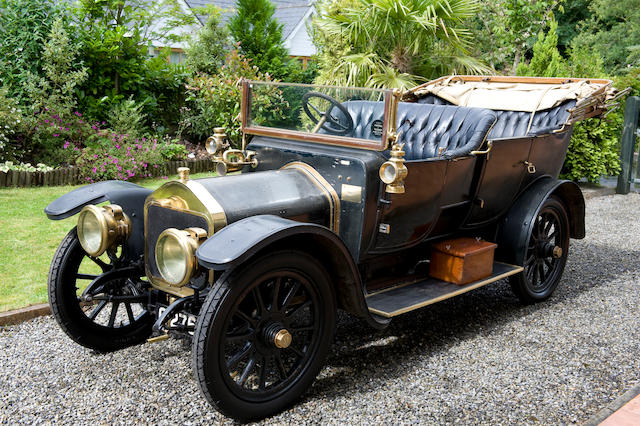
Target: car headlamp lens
[
  {"x": 176, "y": 254},
  {"x": 101, "y": 227}
]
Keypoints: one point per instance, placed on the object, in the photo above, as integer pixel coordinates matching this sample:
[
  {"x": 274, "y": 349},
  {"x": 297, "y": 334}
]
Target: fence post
[{"x": 628, "y": 144}]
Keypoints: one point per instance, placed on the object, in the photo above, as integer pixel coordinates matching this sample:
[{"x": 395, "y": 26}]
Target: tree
[
  {"x": 546, "y": 60},
  {"x": 506, "y": 29},
  {"x": 393, "y": 43},
  {"x": 614, "y": 32},
  {"x": 25, "y": 26},
  {"x": 260, "y": 36},
  {"x": 207, "y": 51}
]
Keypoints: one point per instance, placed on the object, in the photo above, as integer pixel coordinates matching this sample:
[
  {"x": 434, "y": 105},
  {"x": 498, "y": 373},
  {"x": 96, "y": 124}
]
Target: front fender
[
  {"x": 127, "y": 195},
  {"x": 240, "y": 241}
]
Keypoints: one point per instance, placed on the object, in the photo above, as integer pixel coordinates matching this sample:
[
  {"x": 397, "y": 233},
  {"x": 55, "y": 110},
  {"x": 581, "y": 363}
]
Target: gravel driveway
[{"x": 479, "y": 358}]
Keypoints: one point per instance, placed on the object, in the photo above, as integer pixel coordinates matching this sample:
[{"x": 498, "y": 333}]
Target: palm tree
[{"x": 393, "y": 43}]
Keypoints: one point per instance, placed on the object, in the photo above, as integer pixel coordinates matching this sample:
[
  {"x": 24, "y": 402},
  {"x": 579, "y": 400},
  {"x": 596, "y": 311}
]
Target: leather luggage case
[{"x": 461, "y": 260}]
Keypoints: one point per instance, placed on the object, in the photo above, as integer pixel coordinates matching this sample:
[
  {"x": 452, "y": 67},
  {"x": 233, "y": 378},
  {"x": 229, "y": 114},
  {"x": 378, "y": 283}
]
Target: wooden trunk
[{"x": 462, "y": 260}]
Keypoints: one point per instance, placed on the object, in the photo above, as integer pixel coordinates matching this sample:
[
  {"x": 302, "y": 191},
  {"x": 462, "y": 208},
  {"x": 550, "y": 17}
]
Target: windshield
[{"x": 325, "y": 114}]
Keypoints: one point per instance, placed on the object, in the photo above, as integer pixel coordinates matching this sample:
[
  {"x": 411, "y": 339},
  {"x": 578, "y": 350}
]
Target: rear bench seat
[
  {"x": 512, "y": 124},
  {"x": 427, "y": 128}
]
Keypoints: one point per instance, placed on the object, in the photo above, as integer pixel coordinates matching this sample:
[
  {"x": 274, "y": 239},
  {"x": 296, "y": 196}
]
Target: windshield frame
[{"x": 391, "y": 99}]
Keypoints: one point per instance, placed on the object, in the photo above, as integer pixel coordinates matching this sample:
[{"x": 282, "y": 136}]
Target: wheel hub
[{"x": 276, "y": 335}]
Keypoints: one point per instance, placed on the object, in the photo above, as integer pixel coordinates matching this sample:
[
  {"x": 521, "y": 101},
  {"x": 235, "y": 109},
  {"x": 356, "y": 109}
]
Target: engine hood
[{"x": 297, "y": 191}]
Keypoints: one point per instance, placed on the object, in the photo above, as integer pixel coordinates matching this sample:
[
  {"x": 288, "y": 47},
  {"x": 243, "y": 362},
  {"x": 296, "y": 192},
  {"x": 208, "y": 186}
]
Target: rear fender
[
  {"x": 127, "y": 195},
  {"x": 516, "y": 225},
  {"x": 241, "y": 241}
]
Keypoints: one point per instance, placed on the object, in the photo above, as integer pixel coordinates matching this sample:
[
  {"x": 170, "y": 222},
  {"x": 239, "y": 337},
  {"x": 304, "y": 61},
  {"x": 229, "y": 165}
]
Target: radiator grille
[{"x": 159, "y": 219}]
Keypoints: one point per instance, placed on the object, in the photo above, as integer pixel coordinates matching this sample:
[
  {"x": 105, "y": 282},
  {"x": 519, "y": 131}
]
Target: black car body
[{"x": 337, "y": 205}]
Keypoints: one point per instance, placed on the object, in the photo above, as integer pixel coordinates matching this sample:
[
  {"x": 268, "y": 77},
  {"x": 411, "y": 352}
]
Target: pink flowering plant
[
  {"x": 55, "y": 131},
  {"x": 111, "y": 155}
]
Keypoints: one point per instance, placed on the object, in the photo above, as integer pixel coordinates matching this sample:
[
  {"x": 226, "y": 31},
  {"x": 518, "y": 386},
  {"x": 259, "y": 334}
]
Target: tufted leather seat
[
  {"x": 427, "y": 127},
  {"x": 515, "y": 123}
]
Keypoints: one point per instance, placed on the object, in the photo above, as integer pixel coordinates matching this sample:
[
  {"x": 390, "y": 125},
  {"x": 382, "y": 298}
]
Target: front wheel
[
  {"x": 547, "y": 247},
  {"x": 108, "y": 322},
  {"x": 263, "y": 334}
]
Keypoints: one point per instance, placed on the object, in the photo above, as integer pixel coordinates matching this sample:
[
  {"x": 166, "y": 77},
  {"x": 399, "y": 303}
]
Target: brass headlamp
[
  {"x": 176, "y": 254},
  {"x": 102, "y": 227}
]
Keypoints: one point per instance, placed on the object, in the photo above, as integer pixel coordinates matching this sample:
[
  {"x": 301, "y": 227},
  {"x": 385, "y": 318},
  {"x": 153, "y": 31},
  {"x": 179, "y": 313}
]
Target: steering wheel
[{"x": 325, "y": 120}]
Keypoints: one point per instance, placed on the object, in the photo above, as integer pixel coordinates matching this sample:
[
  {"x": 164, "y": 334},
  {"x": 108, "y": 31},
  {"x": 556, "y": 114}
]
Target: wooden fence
[{"x": 71, "y": 175}]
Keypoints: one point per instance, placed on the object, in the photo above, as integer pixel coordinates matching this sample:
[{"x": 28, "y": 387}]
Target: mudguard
[
  {"x": 127, "y": 195},
  {"x": 240, "y": 241},
  {"x": 516, "y": 225}
]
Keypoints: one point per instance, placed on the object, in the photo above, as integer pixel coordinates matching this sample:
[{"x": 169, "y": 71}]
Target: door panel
[{"x": 501, "y": 179}]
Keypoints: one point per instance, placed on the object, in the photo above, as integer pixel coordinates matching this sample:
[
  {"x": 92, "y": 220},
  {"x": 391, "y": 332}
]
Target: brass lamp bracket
[{"x": 227, "y": 159}]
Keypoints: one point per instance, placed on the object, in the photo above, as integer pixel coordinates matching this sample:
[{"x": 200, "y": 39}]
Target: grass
[{"x": 28, "y": 241}]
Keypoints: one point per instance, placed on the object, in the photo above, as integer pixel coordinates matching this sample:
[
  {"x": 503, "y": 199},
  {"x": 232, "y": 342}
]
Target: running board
[{"x": 410, "y": 296}]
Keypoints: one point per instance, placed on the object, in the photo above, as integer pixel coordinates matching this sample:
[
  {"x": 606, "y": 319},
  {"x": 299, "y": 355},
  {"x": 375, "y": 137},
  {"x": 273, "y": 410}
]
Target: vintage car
[{"x": 369, "y": 201}]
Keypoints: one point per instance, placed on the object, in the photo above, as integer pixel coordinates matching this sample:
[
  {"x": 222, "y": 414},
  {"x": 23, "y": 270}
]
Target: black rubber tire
[
  {"x": 68, "y": 313},
  {"x": 523, "y": 286},
  {"x": 211, "y": 328}
]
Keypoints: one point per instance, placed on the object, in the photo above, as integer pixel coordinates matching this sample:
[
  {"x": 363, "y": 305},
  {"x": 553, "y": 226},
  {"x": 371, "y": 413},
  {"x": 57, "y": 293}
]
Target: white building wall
[{"x": 299, "y": 42}]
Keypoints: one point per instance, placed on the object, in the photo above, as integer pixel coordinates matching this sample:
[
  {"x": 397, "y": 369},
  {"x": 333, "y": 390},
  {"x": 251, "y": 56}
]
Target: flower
[
  {"x": 66, "y": 144},
  {"x": 55, "y": 135}
]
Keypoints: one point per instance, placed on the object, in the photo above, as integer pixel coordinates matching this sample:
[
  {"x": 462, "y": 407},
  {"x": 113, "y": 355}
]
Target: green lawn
[{"x": 28, "y": 240}]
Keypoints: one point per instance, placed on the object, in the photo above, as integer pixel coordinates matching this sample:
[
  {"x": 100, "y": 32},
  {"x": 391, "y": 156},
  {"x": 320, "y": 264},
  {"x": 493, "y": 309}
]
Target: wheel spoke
[
  {"x": 290, "y": 295},
  {"x": 530, "y": 259},
  {"x": 104, "y": 266},
  {"x": 263, "y": 373},
  {"x": 86, "y": 277},
  {"x": 276, "y": 290},
  {"x": 295, "y": 351},
  {"x": 548, "y": 262},
  {"x": 247, "y": 370},
  {"x": 235, "y": 337},
  {"x": 281, "y": 369},
  {"x": 541, "y": 271},
  {"x": 97, "y": 310},
  {"x": 303, "y": 328},
  {"x": 129, "y": 312},
  {"x": 245, "y": 317},
  {"x": 239, "y": 355},
  {"x": 535, "y": 274},
  {"x": 114, "y": 312},
  {"x": 298, "y": 308},
  {"x": 258, "y": 298}
]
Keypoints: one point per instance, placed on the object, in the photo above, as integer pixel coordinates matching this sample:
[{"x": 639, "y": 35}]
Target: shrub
[
  {"x": 214, "y": 100},
  {"x": 24, "y": 167},
  {"x": 126, "y": 117},
  {"x": 112, "y": 155},
  {"x": 14, "y": 128},
  {"x": 172, "y": 151}
]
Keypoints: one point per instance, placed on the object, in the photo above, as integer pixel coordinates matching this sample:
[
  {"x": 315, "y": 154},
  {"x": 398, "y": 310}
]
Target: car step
[{"x": 404, "y": 298}]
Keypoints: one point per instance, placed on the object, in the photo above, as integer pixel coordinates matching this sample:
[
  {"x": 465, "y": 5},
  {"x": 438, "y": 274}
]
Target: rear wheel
[
  {"x": 104, "y": 323},
  {"x": 263, "y": 334},
  {"x": 547, "y": 248}
]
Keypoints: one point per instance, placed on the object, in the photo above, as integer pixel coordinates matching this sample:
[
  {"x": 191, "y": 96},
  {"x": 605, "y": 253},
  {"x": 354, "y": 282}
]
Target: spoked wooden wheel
[
  {"x": 108, "y": 317},
  {"x": 546, "y": 253},
  {"x": 263, "y": 334}
]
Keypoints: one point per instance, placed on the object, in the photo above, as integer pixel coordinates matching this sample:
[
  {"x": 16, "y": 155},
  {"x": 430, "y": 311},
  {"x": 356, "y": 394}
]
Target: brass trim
[
  {"x": 159, "y": 338},
  {"x": 486, "y": 151},
  {"x": 351, "y": 193},
  {"x": 282, "y": 339},
  {"x": 321, "y": 182},
  {"x": 183, "y": 174},
  {"x": 193, "y": 199},
  {"x": 462, "y": 290},
  {"x": 400, "y": 171}
]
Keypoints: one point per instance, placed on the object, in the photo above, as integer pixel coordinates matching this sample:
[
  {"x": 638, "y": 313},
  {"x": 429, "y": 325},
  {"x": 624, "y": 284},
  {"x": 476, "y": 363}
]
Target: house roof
[{"x": 289, "y": 13}]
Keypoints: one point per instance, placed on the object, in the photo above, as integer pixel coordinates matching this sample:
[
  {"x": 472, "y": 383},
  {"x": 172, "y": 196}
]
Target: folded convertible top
[{"x": 593, "y": 97}]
